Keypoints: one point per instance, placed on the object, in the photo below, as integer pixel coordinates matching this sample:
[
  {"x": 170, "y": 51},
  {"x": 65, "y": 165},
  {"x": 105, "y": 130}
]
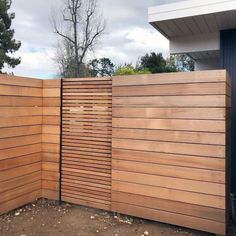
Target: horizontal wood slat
[
  {"x": 151, "y": 146},
  {"x": 172, "y": 101},
  {"x": 167, "y": 217},
  {"x": 169, "y": 182},
  {"x": 170, "y": 136},
  {"x": 20, "y": 151},
  {"x": 20, "y": 91},
  {"x": 51, "y": 138},
  {"x": 86, "y": 142},
  {"x": 170, "y": 206},
  {"x": 171, "y": 113},
  {"x": 20, "y": 161},
  {"x": 20, "y": 201},
  {"x": 171, "y": 124},
  {"x": 10, "y": 132},
  {"x": 20, "y": 81},
  {"x": 14, "y": 101},
  {"x": 20, "y": 111},
  {"x": 169, "y": 159},
  {"x": 165, "y": 90},
  {"x": 173, "y": 171},
  {"x": 169, "y": 147},
  {"x": 20, "y": 141},
  {"x": 213, "y": 76},
  {"x": 170, "y": 194}
]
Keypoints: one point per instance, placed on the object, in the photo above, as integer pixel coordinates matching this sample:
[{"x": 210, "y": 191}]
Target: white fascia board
[
  {"x": 197, "y": 43},
  {"x": 189, "y": 8}
]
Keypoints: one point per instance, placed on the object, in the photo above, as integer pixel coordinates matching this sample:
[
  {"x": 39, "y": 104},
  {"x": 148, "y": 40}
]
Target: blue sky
[{"x": 128, "y": 34}]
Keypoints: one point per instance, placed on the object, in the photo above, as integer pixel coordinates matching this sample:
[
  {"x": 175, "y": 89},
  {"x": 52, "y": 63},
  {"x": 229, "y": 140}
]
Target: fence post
[{"x": 60, "y": 164}]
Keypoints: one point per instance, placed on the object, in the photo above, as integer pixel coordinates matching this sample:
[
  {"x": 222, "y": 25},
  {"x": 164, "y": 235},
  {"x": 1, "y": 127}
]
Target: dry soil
[{"x": 47, "y": 218}]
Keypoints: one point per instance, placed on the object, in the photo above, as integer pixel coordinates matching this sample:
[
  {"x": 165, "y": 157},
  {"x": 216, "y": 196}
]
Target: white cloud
[
  {"x": 128, "y": 34},
  {"x": 35, "y": 62},
  {"x": 131, "y": 44}
]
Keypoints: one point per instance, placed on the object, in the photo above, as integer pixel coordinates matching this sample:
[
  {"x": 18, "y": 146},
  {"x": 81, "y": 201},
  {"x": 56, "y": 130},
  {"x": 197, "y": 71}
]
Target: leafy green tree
[
  {"x": 101, "y": 67},
  {"x": 171, "y": 64},
  {"x": 154, "y": 62},
  {"x": 128, "y": 69},
  {"x": 7, "y": 43}
]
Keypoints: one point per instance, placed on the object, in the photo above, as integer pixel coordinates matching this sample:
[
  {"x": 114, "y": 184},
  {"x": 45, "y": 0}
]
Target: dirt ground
[{"x": 46, "y": 218}]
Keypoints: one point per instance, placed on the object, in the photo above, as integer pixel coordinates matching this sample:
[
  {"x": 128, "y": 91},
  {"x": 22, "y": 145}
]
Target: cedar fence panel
[
  {"x": 20, "y": 141},
  {"x": 151, "y": 146},
  {"x": 169, "y": 148},
  {"x": 86, "y": 142},
  {"x": 51, "y": 138}
]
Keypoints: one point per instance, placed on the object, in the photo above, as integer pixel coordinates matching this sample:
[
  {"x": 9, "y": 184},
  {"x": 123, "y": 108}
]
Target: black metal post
[{"x": 61, "y": 125}]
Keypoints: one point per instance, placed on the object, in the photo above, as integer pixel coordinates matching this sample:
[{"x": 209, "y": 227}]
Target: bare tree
[{"x": 79, "y": 26}]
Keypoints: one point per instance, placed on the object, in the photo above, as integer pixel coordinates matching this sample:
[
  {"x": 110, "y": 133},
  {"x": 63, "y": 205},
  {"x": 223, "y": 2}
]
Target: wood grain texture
[
  {"x": 170, "y": 206},
  {"x": 212, "y": 76},
  {"x": 86, "y": 142},
  {"x": 170, "y": 182},
  {"x": 167, "y": 89},
  {"x": 151, "y": 146},
  {"x": 20, "y": 81},
  {"x": 169, "y": 148},
  {"x": 167, "y": 217},
  {"x": 171, "y": 101},
  {"x": 20, "y": 141},
  {"x": 51, "y": 138},
  {"x": 169, "y": 159},
  {"x": 208, "y": 138},
  {"x": 170, "y": 112}
]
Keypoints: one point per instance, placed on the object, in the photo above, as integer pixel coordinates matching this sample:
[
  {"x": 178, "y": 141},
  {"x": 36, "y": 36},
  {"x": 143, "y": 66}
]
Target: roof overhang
[
  {"x": 198, "y": 47},
  {"x": 193, "y": 17}
]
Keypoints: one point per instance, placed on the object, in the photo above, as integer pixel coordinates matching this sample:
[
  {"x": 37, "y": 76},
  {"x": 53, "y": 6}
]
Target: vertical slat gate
[{"x": 86, "y": 142}]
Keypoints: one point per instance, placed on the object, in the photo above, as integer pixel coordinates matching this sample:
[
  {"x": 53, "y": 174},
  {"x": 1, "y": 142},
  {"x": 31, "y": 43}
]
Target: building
[{"x": 206, "y": 31}]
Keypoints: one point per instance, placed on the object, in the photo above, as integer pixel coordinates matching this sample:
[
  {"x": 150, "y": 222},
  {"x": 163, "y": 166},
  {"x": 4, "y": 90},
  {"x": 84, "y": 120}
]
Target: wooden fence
[
  {"x": 152, "y": 146},
  {"x": 51, "y": 138},
  {"x": 86, "y": 142},
  {"x": 20, "y": 141},
  {"x": 168, "y": 148}
]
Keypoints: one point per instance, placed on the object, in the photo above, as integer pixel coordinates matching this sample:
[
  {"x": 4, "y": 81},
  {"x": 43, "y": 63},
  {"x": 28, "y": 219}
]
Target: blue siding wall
[{"x": 228, "y": 62}]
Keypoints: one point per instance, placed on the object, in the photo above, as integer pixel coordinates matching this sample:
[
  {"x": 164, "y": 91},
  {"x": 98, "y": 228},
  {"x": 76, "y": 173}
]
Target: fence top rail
[
  {"x": 88, "y": 79},
  {"x": 209, "y": 76},
  {"x": 173, "y": 78},
  {"x": 20, "y": 81}
]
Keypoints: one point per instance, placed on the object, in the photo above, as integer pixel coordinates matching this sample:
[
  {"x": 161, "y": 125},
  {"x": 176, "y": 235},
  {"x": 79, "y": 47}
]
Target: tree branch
[
  {"x": 64, "y": 36},
  {"x": 84, "y": 26}
]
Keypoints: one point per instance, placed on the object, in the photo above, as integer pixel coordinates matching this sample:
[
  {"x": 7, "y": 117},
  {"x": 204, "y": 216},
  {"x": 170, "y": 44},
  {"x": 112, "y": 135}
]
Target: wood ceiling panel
[{"x": 201, "y": 23}]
